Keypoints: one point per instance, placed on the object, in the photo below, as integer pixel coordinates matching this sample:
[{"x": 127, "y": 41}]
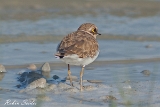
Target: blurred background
[{"x": 31, "y": 29}]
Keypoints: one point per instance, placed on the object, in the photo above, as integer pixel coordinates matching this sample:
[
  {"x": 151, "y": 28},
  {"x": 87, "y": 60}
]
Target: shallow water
[
  {"x": 123, "y": 81},
  {"x": 25, "y": 53}
]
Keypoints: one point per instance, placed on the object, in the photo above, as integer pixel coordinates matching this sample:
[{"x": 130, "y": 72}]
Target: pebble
[
  {"x": 88, "y": 88},
  {"x": 2, "y": 68},
  {"x": 32, "y": 67},
  {"x": 72, "y": 89},
  {"x": 41, "y": 83},
  {"x": 146, "y": 72},
  {"x": 46, "y": 67},
  {"x": 127, "y": 87},
  {"x": 55, "y": 77},
  {"x": 127, "y": 81},
  {"x": 89, "y": 68},
  {"x": 149, "y": 46},
  {"x": 108, "y": 98},
  {"x": 94, "y": 81},
  {"x": 43, "y": 98}
]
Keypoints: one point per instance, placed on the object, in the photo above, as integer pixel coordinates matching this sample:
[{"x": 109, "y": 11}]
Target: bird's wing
[{"x": 81, "y": 43}]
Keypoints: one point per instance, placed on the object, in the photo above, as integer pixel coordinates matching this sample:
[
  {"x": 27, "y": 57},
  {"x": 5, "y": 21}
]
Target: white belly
[{"x": 75, "y": 60}]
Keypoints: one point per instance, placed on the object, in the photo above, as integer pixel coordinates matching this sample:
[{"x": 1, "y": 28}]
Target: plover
[{"x": 79, "y": 48}]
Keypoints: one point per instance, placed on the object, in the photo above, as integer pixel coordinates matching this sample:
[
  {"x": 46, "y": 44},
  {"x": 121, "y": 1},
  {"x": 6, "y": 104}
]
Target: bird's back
[{"x": 80, "y": 43}]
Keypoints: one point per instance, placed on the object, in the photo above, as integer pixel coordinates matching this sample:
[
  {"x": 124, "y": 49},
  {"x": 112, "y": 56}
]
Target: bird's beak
[{"x": 98, "y": 33}]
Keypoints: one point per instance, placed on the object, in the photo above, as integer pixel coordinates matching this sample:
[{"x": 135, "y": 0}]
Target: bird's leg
[
  {"x": 69, "y": 74},
  {"x": 81, "y": 76}
]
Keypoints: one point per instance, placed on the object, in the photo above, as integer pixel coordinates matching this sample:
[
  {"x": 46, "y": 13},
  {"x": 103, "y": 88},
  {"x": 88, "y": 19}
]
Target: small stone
[
  {"x": 32, "y": 67},
  {"x": 46, "y": 67},
  {"x": 146, "y": 72},
  {"x": 71, "y": 90},
  {"x": 94, "y": 81},
  {"x": 108, "y": 97},
  {"x": 88, "y": 88},
  {"x": 41, "y": 83},
  {"x": 127, "y": 81},
  {"x": 55, "y": 77},
  {"x": 18, "y": 86},
  {"x": 2, "y": 68},
  {"x": 127, "y": 87},
  {"x": 89, "y": 68},
  {"x": 22, "y": 91},
  {"x": 43, "y": 98},
  {"x": 149, "y": 46}
]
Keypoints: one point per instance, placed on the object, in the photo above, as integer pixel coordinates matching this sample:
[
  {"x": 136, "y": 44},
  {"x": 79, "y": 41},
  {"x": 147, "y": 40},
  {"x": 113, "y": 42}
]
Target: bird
[{"x": 79, "y": 48}]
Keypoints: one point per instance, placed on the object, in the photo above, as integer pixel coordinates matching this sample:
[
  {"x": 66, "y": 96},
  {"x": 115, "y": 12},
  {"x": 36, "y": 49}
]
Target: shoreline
[
  {"x": 95, "y": 63},
  {"x": 49, "y": 38}
]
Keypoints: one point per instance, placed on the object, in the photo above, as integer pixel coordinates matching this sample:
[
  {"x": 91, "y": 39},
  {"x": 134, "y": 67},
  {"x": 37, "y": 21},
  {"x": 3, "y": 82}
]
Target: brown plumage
[
  {"x": 79, "y": 48},
  {"x": 82, "y": 42}
]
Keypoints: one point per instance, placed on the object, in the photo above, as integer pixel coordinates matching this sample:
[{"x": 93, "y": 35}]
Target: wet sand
[{"x": 122, "y": 85}]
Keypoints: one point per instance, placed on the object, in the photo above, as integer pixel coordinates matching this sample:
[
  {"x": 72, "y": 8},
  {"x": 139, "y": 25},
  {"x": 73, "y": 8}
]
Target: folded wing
[{"x": 81, "y": 43}]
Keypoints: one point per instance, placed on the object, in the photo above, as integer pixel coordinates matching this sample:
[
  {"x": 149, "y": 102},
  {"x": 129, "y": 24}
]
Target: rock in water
[
  {"x": 149, "y": 46},
  {"x": 45, "y": 67},
  {"x": 41, "y": 83},
  {"x": 2, "y": 68},
  {"x": 108, "y": 98},
  {"x": 94, "y": 81},
  {"x": 32, "y": 67},
  {"x": 55, "y": 77},
  {"x": 146, "y": 72}
]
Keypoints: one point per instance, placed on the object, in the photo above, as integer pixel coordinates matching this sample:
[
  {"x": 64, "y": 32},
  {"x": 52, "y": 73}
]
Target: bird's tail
[{"x": 58, "y": 56}]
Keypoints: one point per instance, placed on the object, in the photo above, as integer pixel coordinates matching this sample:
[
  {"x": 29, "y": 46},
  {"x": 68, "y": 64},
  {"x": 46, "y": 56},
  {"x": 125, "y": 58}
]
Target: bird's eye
[{"x": 94, "y": 30}]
